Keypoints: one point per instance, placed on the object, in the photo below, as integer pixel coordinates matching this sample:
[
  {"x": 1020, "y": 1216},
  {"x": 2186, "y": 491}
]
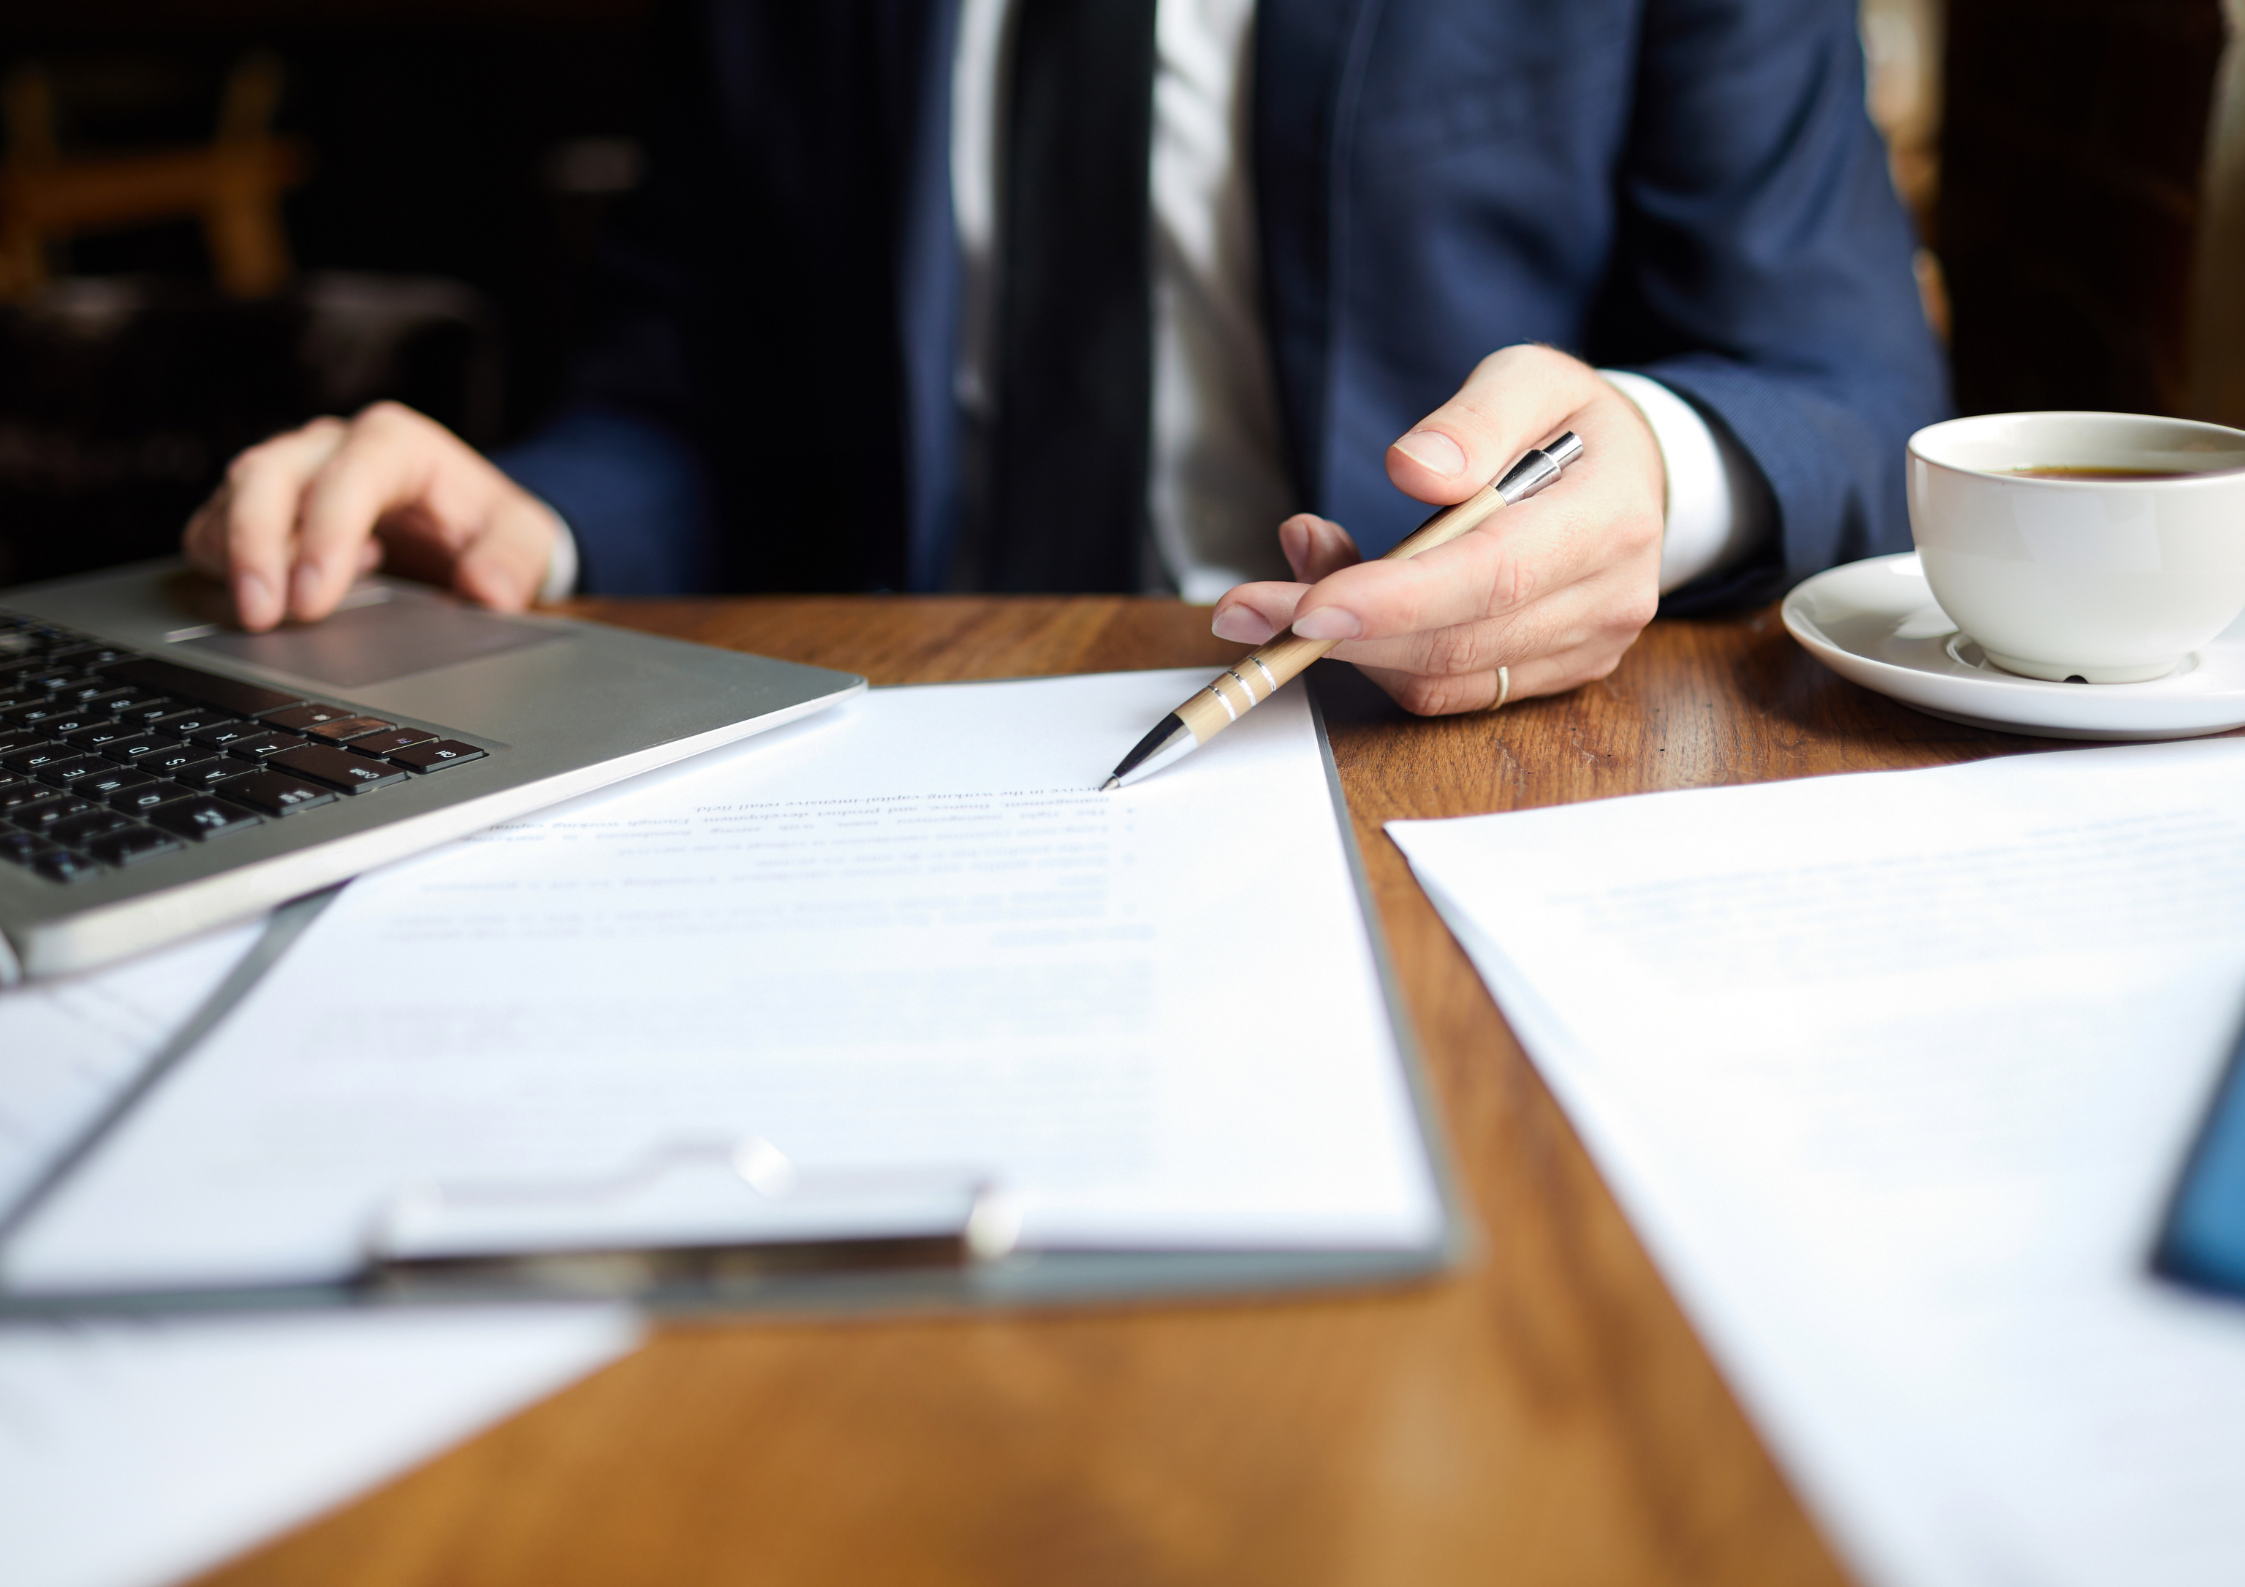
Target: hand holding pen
[
  {"x": 1262, "y": 673},
  {"x": 1554, "y": 590}
]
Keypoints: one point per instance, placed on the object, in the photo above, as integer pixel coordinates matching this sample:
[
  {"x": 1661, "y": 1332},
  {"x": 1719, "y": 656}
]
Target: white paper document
[
  {"x": 907, "y": 934},
  {"x": 1894, "y": 1074},
  {"x": 135, "y": 1453},
  {"x": 69, "y": 1047},
  {"x": 140, "y": 1452}
]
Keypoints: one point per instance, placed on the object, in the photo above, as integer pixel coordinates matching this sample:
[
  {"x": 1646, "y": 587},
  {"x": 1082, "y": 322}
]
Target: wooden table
[{"x": 1545, "y": 1416}]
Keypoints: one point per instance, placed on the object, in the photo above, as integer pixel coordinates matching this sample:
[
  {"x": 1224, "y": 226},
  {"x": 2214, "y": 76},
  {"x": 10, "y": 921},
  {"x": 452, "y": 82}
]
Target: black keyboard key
[
  {"x": 139, "y": 801},
  {"x": 88, "y": 657},
  {"x": 203, "y": 817},
  {"x": 112, "y": 781},
  {"x": 127, "y": 750},
  {"x": 94, "y": 735},
  {"x": 79, "y": 831},
  {"x": 220, "y": 734},
  {"x": 350, "y": 773},
  {"x": 210, "y": 773},
  {"x": 79, "y": 690},
  {"x": 172, "y": 759},
  {"x": 37, "y": 758},
  {"x": 194, "y": 719},
  {"x": 276, "y": 793},
  {"x": 63, "y": 773},
  {"x": 350, "y": 728},
  {"x": 63, "y": 723},
  {"x": 299, "y": 718},
  {"x": 133, "y": 706},
  {"x": 132, "y": 845},
  {"x": 390, "y": 743},
  {"x": 46, "y": 678},
  {"x": 38, "y": 715},
  {"x": 60, "y": 865},
  {"x": 16, "y": 792},
  {"x": 29, "y": 738},
  {"x": 263, "y": 746},
  {"x": 435, "y": 757},
  {"x": 21, "y": 848},
  {"x": 204, "y": 688},
  {"x": 45, "y": 813}
]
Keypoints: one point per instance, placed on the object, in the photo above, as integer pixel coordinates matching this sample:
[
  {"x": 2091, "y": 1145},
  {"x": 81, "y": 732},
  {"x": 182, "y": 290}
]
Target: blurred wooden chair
[{"x": 233, "y": 185}]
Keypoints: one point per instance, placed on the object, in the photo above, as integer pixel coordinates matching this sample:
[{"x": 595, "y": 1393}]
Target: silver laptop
[{"x": 162, "y": 772}]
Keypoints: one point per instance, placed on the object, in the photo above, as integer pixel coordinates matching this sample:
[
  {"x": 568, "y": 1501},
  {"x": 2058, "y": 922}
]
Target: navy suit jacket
[{"x": 1690, "y": 188}]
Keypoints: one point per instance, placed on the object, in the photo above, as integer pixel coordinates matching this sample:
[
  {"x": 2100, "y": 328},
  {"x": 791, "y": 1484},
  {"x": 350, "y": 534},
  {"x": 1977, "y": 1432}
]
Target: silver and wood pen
[{"x": 1233, "y": 693}]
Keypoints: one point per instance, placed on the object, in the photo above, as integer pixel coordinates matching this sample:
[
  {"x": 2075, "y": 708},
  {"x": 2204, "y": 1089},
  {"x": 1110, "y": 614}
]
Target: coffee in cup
[{"x": 2082, "y": 547}]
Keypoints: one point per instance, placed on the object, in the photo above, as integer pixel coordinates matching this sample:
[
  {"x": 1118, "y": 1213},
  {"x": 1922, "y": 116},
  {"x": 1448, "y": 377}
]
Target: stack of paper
[
  {"x": 138, "y": 1452},
  {"x": 1894, "y": 1074},
  {"x": 908, "y": 935}
]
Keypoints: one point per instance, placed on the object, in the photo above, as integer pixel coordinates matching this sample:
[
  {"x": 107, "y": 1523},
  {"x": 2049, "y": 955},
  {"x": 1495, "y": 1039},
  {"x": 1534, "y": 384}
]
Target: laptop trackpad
[{"x": 373, "y": 644}]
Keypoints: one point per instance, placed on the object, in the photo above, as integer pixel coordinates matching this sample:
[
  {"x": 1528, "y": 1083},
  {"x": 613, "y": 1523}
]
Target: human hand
[
  {"x": 303, "y": 514},
  {"x": 1552, "y": 589}
]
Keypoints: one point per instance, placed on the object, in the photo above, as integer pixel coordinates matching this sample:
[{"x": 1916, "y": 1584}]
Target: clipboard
[{"x": 720, "y": 1226}]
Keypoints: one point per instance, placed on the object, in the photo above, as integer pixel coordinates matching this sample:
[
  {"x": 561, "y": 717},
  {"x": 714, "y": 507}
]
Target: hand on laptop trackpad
[{"x": 371, "y": 643}]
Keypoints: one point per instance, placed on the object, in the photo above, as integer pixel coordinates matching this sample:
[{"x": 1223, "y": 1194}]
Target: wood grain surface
[{"x": 1544, "y": 1416}]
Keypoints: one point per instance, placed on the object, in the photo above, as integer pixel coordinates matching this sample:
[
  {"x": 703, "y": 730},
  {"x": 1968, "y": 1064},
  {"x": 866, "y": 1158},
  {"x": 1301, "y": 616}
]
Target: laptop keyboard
[{"x": 109, "y": 758}]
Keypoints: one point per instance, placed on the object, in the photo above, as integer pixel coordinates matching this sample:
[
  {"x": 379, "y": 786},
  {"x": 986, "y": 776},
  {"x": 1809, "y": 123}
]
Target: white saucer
[{"x": 1876, "y": 623}]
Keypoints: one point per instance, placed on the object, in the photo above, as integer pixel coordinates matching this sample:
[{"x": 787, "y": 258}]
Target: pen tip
[{"x": 1110, "y": 785}]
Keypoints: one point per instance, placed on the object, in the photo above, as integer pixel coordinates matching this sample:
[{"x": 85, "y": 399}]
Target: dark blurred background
[
  {"x": 438, "y": 171},
  {"x": 221, "y": 217}
]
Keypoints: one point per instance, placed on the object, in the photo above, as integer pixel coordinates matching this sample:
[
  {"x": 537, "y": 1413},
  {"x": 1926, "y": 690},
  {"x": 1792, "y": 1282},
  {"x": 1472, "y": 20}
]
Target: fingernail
[
  {"x": 1328, "y": 622},
  {"x": 306, "y": 585},
  {"x": 1242, "y": 625},
  {"x": 250, "y": 596},
  {"x": 1432, "y": 449}
]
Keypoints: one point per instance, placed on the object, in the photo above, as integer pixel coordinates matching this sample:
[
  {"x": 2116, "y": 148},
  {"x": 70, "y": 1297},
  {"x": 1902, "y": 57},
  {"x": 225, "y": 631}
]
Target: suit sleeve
[{"x": 1764, "y": 272}]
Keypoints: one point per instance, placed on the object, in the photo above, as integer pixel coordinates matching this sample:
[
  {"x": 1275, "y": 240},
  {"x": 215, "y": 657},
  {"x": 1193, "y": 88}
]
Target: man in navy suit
[{"x": 1363, "y": 231}]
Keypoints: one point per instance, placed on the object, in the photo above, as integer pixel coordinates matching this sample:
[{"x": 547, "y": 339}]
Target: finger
[
  {"x": 1316, "y": 546},
  {"x": 1518, "y": 556},
  {"x": 1512, "y": 400},
  {"x": 253, "y": 527},
  {"x": 1253, "y": 613},
  {"x": 382, "y": 465},
  {"x": 201, "y": 542},
  {"x": 1250, "y": 614},
  {"x": 1581, "y": 614},
  {"x": 1540, "y": 675},
  {"x": 504, "y": 566},
  {"x": 1603, "y": 513}
]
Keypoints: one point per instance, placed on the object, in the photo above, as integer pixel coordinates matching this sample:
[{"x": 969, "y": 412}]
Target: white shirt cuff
[
  {"x": 561, "y": 562},
  {"x": 1717, "y": 511}
]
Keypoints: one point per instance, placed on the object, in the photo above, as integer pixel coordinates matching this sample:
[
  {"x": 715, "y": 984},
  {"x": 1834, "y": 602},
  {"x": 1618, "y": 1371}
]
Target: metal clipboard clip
[{"x": 692, "y": 1217}]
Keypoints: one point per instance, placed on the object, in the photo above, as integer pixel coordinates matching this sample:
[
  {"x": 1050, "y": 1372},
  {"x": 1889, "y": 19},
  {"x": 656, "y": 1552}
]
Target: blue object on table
[{"x": 2204, "y": 1241}]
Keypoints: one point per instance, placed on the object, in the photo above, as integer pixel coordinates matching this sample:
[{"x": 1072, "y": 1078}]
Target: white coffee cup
[{"x": 2082, "y": 579}]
